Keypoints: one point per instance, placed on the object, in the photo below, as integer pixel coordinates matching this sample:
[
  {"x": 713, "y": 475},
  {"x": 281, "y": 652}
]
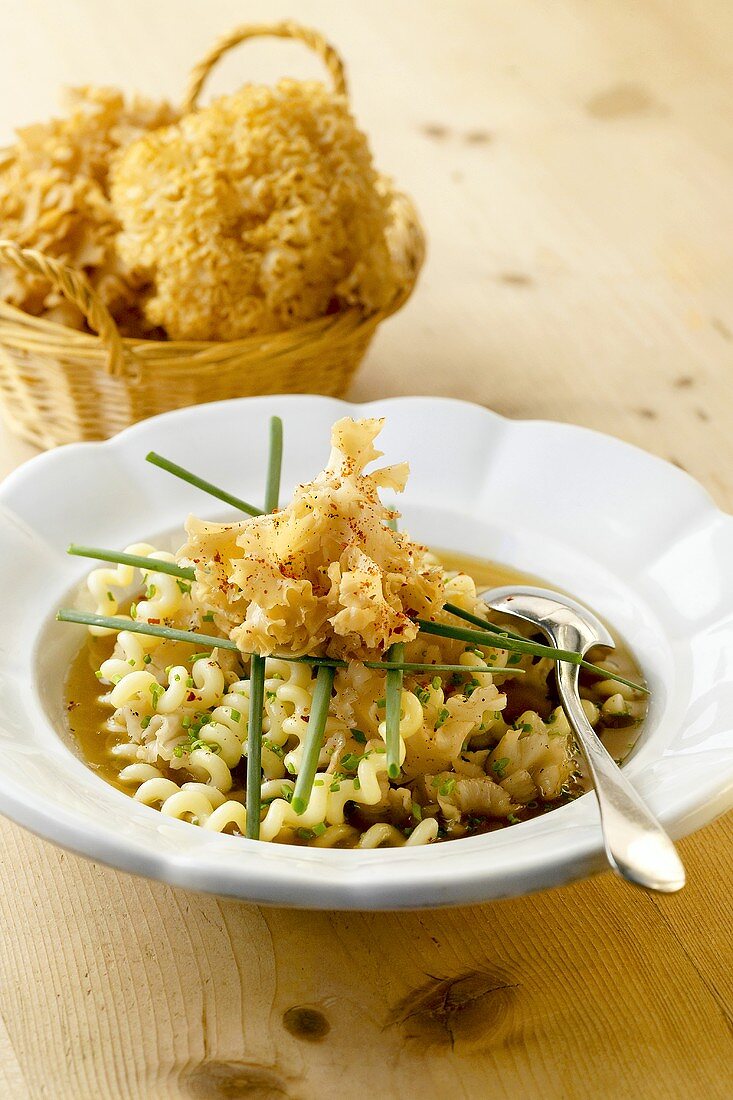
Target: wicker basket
[{"x": 59, "y": 385}]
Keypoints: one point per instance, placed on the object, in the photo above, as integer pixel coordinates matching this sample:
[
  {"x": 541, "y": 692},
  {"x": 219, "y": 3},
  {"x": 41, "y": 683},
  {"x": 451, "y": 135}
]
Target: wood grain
[{"x": 573, "y": 163}]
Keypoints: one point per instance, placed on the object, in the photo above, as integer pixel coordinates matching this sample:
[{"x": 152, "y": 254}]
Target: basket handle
[
  {"x": 75, "y": 286},
  {"x": 310, "y": 37}
]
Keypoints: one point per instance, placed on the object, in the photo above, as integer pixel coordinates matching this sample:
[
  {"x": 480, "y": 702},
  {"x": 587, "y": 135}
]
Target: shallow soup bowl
[{"x": 642, "y": 544}]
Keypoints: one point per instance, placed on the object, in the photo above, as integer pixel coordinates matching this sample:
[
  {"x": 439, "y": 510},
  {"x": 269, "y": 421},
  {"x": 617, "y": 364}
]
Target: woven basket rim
[
  {"x": 62, "y": 337},
  {"x": 17, "y": 327}
]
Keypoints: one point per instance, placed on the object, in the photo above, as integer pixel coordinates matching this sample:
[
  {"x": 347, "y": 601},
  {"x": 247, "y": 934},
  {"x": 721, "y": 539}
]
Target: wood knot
[
  {"x": 515, "y": 278},
  {"x": 306, "y": 1023},
  {"x": 232, "y": 1080},
  {"x": 470, "y": 1011},
  {"x": 621, "y": 101}
]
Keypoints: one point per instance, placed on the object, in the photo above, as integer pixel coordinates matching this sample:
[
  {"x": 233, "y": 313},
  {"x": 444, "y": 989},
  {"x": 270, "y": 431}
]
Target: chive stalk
[
  {"x": 415, "y": 666},
  {"x": 138, "y": 561},
  {"x": 587, "y": 665},
  {"x": 154, "y": 630},
  {"x": 274, "y": 466},
  {"x": 172, "y": 634},
  {"x": 393, "y": 696},
  {"x": 254, "y": 745},
  {"x": 200, "y": 483},
  {"x": 482, "y": 623},
  {"x": 314, "y": 739},
  {"x": 513, "y": 644},
  {"x": 115, "y": 622},
  {"x": 499, "y": 641}
]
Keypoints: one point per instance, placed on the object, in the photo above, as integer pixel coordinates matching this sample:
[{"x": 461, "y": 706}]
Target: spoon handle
[{"x": 637, "y": 846}]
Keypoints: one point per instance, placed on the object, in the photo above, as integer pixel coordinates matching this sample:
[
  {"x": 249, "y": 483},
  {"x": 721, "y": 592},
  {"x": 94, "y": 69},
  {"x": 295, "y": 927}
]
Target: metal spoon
[{"x": 637, "y": 846}]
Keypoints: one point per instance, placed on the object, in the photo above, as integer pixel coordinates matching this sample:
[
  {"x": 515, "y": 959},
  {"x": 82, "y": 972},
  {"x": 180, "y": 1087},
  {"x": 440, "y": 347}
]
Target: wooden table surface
[{"x": 573, "y": 163}]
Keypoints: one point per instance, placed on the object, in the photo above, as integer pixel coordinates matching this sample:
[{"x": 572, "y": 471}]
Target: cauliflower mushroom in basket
[{"x": 256, "y": 214}]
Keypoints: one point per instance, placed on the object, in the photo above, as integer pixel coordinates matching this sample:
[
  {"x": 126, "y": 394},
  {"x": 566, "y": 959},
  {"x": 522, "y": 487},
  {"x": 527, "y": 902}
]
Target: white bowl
[{"x": 628, "y": 534}]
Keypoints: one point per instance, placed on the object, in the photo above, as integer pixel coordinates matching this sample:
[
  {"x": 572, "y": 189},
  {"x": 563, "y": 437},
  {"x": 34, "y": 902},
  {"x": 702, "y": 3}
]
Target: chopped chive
[
  {"x": 274, "y": 466},
  {"x": 208, "y": 617},
  {"x": 254, "y": 745},
  {"x": 138, "y": 561},
  {"x": 199, "y": 483},
  {"x": 396, "y": 653},
  {"x": 314, "y": 738},
  {"x": 443, "y": 715},
  {"x": 500, "y": 766},
  {"x": 359, "y": 736},
  {"x": 235, "y": 715},
  {"x": 507, "y": 640}
]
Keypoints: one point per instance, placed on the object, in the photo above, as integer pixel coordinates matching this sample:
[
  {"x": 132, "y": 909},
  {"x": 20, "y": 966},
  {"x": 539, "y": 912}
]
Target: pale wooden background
[{"x": 573, "y": 162}]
